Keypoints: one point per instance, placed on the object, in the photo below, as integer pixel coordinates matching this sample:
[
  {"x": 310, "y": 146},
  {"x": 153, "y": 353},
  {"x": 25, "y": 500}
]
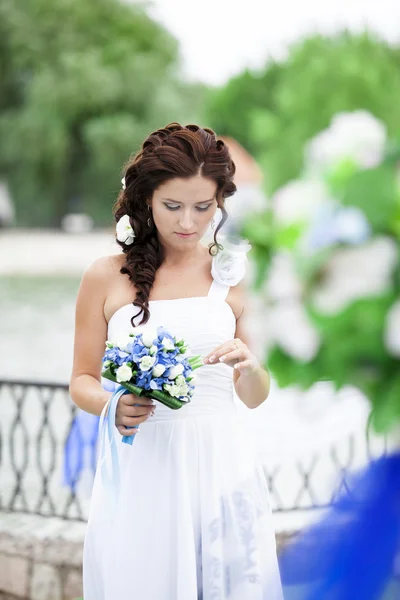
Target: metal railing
[{"x": 36, "y": 420}]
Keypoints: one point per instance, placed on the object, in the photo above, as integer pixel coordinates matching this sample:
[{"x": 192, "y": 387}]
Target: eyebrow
[{"x": 177, "y": 202}]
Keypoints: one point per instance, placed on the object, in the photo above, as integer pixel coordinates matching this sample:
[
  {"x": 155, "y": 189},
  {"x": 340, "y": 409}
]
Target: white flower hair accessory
[
  {"x": 123, "y": 183},
  {"x": 125, "y": 233},
  {"x": 229, "y": 264}
]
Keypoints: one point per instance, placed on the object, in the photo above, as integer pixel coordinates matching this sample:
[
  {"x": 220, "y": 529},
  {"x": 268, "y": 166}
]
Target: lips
[{"x": 185, "y": 235}]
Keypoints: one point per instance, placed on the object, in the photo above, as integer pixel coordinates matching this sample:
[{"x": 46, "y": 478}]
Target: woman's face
[{"x": 182, "y": 210}]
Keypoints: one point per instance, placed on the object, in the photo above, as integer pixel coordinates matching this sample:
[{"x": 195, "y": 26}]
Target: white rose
[
  {"x": 175, "y": 371},
  {"x": 123, "y": 343},
  {"x": 158, "y": 370},
  {"x": 229, "y": 264},
  {"x": 147, "y": 362},
  {"x": 149, "y": 335},
  {"x": 167, "y": 344},
  {"x": 125, "y": 233},
  {"x": 180, "y": 380},
  {"x": 392, "y": 330},
  {"x": 123, "y": 373}
]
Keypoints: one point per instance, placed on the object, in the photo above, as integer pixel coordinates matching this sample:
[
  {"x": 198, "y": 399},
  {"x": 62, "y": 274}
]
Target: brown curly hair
[{"x": 173, "y": 151}]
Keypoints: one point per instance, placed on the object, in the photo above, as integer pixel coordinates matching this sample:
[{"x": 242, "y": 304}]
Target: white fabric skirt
[{"x": 191, "y": 519}]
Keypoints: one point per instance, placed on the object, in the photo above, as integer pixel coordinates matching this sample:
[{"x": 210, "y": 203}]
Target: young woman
[{"x": 192, "y": 519}]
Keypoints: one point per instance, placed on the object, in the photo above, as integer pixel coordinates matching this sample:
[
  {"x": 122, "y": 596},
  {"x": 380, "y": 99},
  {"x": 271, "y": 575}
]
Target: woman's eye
[
  {"x": 203, "y": 208},
  {"x": 171, "y": 207}
]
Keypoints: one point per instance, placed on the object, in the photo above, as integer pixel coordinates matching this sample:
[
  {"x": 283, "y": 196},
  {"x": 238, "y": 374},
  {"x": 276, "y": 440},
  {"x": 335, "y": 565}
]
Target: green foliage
[
  {"x": 81, "y": 85},
  {"x": 274, "y": 113}
]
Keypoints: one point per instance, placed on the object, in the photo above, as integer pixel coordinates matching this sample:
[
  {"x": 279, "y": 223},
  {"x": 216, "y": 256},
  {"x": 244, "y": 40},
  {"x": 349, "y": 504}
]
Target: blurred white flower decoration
[
  {"x": 357, "y": 136},
  {"x": 335, "y": 224},
  {"x": 291, "y": 329},
  {"x": 298, "y": 201},
  {"x": 354, "y": 273},
  {"x": 283, "y": 282}
]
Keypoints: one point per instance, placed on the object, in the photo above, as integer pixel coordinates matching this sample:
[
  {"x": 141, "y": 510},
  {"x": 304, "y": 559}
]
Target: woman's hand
[
  {"x": 234, "y": 354},
  {"x": 131, "y": 411}
]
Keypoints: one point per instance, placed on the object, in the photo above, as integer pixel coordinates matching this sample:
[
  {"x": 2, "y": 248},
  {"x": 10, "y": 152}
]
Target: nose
[{"x": 186, "y": 221}]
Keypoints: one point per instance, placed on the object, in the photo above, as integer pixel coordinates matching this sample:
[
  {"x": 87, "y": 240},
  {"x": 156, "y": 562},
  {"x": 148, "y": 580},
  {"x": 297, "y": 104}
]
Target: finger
[
  {"x": 132, "y": 421},
  {"x": 235, "y": 355},
  {"x": 137, "y": 411},
  {"x": 224, "y": 349},
  {"x": 213, "y": 353},
  {"x": 245, "y": 366},
  {"x": 125, "y": 431},
  {"x": 131, "y": 399}
]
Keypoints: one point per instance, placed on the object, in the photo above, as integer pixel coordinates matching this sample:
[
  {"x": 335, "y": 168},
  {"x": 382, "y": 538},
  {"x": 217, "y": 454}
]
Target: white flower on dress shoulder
[
  {"x": 229, "y": 265},
  {"x": 125, "y": 233}
]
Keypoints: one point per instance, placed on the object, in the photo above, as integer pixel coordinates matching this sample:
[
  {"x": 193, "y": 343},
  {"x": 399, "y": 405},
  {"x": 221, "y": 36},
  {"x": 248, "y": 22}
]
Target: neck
[{"x": 176, "y": 258}]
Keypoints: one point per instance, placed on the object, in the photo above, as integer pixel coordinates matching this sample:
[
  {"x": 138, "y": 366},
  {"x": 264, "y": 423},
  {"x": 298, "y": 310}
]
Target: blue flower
[{"x": 116, "y": 356}]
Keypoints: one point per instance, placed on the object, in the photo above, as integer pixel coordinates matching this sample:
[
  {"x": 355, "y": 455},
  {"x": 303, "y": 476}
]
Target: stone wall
[{"x": 41, "y": 557}]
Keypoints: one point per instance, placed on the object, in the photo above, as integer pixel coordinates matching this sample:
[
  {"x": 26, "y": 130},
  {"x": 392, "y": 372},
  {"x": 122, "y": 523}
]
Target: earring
[
  {"x": 212, "y": 224},
  {"x": 149, "y": 219}
]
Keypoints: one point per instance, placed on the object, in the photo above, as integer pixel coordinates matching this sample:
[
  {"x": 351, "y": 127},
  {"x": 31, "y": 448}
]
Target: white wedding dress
[{"x": 192, "y": 518}]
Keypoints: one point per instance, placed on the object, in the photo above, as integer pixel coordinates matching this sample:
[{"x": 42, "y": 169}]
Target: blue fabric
[
  {"x": 350, "y": 554},
  {"x": 80, "y": 447}
]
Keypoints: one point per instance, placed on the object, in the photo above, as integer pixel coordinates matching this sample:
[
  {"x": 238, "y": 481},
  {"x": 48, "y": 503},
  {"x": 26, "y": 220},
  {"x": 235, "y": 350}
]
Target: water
[{"x": 37, "y": 327}]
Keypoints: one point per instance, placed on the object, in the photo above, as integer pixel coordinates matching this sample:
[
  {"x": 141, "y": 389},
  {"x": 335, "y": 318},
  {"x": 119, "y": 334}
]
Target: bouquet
[{"x": 152, "y": 363}]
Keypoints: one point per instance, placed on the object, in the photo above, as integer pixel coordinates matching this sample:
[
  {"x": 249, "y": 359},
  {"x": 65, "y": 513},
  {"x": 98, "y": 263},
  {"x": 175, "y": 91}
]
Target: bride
[{"x": 192, "y": 519}]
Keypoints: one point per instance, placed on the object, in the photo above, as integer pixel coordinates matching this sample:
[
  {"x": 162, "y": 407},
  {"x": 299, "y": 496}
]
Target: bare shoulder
[{"x": 103, "y": 268}]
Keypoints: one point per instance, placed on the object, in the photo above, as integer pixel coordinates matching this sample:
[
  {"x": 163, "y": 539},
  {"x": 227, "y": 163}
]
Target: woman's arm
[
  {"x": 90, "y": 337},
  {"x": 251, "y": 381}
]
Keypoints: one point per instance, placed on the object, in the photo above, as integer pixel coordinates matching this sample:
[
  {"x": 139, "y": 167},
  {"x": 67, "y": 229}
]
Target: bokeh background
[{"x": 307, "y": 98}]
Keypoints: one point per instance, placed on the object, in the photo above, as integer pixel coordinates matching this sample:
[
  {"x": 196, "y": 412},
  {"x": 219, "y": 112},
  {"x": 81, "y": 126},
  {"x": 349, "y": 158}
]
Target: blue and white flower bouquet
[{"x": 152, "y": 363}]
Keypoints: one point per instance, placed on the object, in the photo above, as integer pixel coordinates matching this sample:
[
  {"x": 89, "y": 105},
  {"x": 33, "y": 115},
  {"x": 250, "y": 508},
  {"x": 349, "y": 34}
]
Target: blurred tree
[
  {"x": 274, "y": 113},
  {"x": 81, "y": 84}
]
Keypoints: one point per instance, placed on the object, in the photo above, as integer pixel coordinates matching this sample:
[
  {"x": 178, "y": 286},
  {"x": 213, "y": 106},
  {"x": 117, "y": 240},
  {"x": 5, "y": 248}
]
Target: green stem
[{"x": 163, "y": 397}]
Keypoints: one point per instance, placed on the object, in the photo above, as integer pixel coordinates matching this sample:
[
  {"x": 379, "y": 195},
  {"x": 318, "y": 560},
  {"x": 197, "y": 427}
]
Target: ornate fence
[{"x": 36, "y": 418}]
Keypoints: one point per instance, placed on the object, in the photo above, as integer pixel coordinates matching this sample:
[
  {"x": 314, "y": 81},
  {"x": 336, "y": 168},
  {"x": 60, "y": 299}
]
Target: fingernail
[
  {"x": 212, "y": 358},
  {"x": 222, "y": 358}
]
